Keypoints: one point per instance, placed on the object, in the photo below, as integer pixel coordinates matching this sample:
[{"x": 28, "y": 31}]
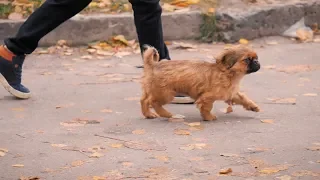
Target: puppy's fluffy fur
[{"x": 203, "y": 81}]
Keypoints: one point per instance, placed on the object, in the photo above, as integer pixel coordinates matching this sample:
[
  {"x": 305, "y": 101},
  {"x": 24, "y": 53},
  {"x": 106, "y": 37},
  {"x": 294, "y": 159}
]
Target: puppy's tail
[{"x": 150, "y": 56}]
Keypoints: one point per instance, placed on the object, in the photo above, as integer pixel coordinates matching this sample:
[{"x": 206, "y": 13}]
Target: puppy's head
[
  {"x": 150, "y": 52},
  {"x": 240, "y": 59}
]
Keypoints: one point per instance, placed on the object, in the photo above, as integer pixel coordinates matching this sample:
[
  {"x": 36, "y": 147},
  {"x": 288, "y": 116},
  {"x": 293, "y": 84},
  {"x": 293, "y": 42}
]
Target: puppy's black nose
[{"x": 254, "y": 66}]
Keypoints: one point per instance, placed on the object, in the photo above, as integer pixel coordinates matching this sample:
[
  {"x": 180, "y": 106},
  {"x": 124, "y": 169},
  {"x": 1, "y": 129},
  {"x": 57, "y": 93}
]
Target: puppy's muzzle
[{"x": 253, "y": 66}]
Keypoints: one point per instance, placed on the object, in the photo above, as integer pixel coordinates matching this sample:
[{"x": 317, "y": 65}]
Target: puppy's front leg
[
  {"x": 243, "y": 100},
  {"x": 205, "y": 105}
]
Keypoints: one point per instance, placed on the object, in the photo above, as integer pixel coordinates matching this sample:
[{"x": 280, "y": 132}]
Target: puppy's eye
[{"x": 247, "y": 60}]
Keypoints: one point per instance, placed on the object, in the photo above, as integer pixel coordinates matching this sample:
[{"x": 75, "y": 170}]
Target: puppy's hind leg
[
  {"x": 242, "y": 99},
  {"x": 160, "y": 100},
  {"x": 205, "y": 105},
  {"x": 145, "y": 107}
]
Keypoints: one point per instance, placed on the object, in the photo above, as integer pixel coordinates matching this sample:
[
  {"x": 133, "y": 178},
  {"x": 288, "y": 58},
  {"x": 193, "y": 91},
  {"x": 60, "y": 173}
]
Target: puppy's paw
[
  {"x": 253, "y": 108},
  {"x": 151, "y": 116},
  {"x": 209, "y": 117}
]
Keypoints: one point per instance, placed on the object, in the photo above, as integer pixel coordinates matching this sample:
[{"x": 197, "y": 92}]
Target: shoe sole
[
  {"x": 182, "y": 100},
  {"x": 12, "y": 91}
]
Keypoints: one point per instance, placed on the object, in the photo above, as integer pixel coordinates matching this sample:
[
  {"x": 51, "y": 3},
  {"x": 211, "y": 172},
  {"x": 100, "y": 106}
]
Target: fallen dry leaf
[
  {"x": 272, "y": 170},
  {"x": 305, "y": 173},
  {"x": 283, "y": 100},
  {"x": 2, "y": 154},
  {"x": 243, "y": 41},
  {"x": 162, "y": 158},
  {"x": 228, "y": 155},
  {"x": 144, "y": 146},
  {"x": 194, "y": 146},
  {"x": 132, "y": 99},
  {"x": 285, "y": 177},
  {"x": 183, "y": 45},
  {"x": 139, "y": 132},
  {"x": 176, "y": 120},
  {"x": 29, "y": 178},
  {"x": 257, "y": 150},
  {"x": 194, "y": 124},
  {"x": 59, "y": 145},
  {"x": 127, "y": 164},
  {"x": 96, "y": 155},
  {"x": 77, "y": 163},
  {"x": 268, "y": 121},
  {"x": 18, "y": 109},
  {"x": 314, "y": 148},
  {"x": 116, "y": 145},
  {"x": 310, "y": 94},
  {"x": 106, "y": 111},
  {"x": 181, "y": 132},
  {"x": 272, "y": 42},
  {"x": 168, "y": 7},
  {"x": 18, "y": 165},
  {"x": 225, "y": 171},
  {"x": 87, "y": 57},
  {"x": 98, "y": 178}
]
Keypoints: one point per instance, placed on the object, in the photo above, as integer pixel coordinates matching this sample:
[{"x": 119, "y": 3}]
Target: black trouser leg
[
  {"x": 147, "y": 18},
  {"x": 45, "y": 19}
]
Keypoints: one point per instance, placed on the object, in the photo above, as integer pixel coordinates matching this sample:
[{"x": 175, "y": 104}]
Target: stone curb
[
  {"x": 233, "y": 24},
  {"x": 252, "y": 23}
]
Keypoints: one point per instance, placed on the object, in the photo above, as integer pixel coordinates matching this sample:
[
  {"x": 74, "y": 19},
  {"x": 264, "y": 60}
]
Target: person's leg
[
  {"x": 45, "y": 19},
  {"x": 147, "y": 19}
]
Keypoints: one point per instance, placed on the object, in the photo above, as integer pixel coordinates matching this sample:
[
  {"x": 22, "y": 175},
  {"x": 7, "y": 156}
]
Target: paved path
[{"x": 40, "y": 134}]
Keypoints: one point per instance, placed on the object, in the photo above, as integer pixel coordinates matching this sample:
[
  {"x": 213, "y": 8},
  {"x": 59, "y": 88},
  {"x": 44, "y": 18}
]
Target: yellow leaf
[
  {"x": 285, "y": 177},
  {"x": 176, "y": 120},
  {"x": 139, "y": 131},
  {"x": 99, "y": 178},
  {"x": 194, "y": 124},
  {"x": 225, "y": 171},
  {"x": 93, "y": 5},
  {"x": 29, "y": 178},
  {"x": 62, "y": 42},
  {"x": 127, "y": 164},
  {"x": 243, "y": 41},
  {"x": 228, "y": 155},
  {"x": 4, "y": 150},
  {"x": 121, "y": 39},
  {"x": 162, "y": 158},
  {"x": 305, "y": 173},
  {"x": 2, "y": 154},
  {"x": 87, "y": 57},
  {"x": 116, "y": 145},
  {"x": 18, "y": 165},
  {"x": 272, "y": 170},
  {"x": 182, "y": 132},
  {"x": 314, "y": 148},
  {"x": 283, "y": 100},
  {"x": 58, "y": 145},
  {"x": 269, "y": 121},
  {"x": 106, "y": 111},
  {"x": 18, "y": 109},
  {"x": 211, "y": 10},
  {"x": 310, "y": 94},
  {"x": 132, "y": 99},
  {"x": 96, "y": 155},
  {"x": 77, "y": 163},
  {"x": 168, "y": 7}
]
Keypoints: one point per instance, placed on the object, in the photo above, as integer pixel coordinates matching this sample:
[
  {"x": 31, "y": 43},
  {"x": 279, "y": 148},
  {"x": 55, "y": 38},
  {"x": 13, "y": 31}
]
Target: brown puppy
[{"x": 203, "y": 81}]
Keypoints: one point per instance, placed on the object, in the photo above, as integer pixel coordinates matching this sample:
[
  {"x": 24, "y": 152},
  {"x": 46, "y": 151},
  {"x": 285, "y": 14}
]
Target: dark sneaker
[{"x": 10, "y": 77}]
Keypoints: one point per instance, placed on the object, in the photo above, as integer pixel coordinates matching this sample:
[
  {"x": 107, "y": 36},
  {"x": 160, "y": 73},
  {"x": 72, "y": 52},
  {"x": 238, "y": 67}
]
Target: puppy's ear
[{"x": 228, "y": 59}]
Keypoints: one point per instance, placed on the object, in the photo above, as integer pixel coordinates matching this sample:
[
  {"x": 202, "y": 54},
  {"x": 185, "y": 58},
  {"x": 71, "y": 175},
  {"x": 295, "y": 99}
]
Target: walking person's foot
[{"x": 11, "y": 73}]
